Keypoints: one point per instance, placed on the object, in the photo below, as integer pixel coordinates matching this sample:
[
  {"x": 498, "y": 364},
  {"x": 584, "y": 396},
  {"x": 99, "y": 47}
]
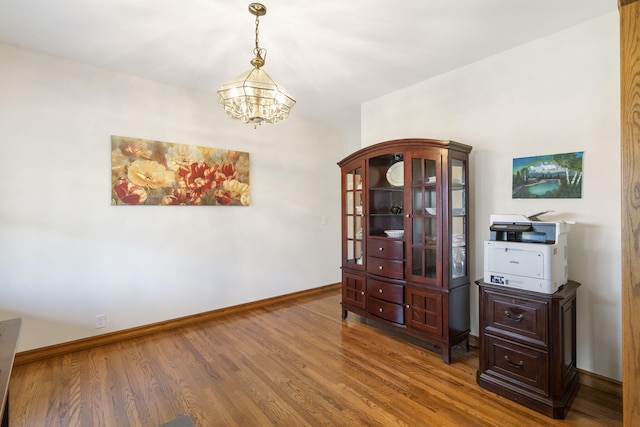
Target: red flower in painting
[
  {"x": 181, "y": 196},
  {"x": 198, "y": 178},
  {"x": 224, "y": 173},
  {"x": 223, "y": 197},
  {"x": 228, "y": 170},
  {"x": 129, "y": 193}
]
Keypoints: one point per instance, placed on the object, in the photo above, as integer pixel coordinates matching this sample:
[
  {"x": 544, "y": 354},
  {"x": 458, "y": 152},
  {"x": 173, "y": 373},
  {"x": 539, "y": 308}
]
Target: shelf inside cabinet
[{"x": 400, "y": 189}]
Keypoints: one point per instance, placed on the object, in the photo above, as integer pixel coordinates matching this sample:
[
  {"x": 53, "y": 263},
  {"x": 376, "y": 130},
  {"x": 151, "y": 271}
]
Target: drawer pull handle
[
  {"x": 380, "y": 290},
  {"x": 380, "y": 310},
  {"x": 381, "y": 249},
  {"x": 515, "y": 319},
  {"x": 518, "y": 365},
  {"x": 380, "y": 268}
]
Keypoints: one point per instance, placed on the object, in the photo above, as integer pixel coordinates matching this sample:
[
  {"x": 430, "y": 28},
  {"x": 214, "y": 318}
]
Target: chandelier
[{"x": 254, "y": 97}]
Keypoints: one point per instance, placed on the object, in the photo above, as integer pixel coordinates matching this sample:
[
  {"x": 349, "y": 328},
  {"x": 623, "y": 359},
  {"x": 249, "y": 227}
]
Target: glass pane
[
  {"x": 417, "y": 200},
  {"x": 458, "y": 262},
  {"x": 418, "y": 231},
  {"x": 457, "y": 200},
  {"x": 416, "y": 262},
  {"x": 350, "y": 227},
  {"x": 430, "y": 202},
  {"x": 457, "y": 172},
  {"x": 350, "y": 251},
  {"x": 354, "y": 179},
  {"x": 458, "y": 229},
  {"x": 458, "y": 219},
  {"x": 417, "y": 175},
  {"x": 431, "y": 231},
  {"x": 350, "y": 203},
  {"x": 430, "y": 260},
  {"x": 430, "y": 171}
]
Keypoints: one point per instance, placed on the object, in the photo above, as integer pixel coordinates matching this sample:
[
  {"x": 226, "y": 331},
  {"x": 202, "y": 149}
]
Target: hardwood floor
[{"x": 294, "y": 363}]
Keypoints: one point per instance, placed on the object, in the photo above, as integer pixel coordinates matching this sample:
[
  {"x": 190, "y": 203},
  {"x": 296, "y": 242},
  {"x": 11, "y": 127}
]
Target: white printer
[{"x": 526, "y": 253}]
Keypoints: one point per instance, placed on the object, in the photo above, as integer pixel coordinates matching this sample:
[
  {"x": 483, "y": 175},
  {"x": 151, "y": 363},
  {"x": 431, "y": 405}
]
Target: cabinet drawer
[
  {"x": 385, "y": 267},
  {"x": 523, "y": 366},
  {"x": 385, "y": 248},
  {"x": 518, "y": 318},
  {"x": 386, "y": 310},
  {"x": 385, "y": 291}
]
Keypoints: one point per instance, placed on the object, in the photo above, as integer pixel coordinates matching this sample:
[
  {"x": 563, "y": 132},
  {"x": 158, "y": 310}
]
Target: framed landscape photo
[{"x": 552, "y": 176}]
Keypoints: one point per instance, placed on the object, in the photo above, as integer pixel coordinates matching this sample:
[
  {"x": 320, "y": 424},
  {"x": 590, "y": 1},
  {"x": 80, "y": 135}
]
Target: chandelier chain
[{"x": 257, "y": 49}]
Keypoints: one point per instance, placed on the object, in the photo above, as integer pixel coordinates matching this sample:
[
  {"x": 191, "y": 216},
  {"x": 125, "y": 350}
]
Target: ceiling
[{"x": 332, "y": 55}]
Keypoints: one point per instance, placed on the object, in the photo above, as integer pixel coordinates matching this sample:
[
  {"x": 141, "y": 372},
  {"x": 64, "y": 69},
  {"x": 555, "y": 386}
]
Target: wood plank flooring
[{"x": 294, "y": 363}]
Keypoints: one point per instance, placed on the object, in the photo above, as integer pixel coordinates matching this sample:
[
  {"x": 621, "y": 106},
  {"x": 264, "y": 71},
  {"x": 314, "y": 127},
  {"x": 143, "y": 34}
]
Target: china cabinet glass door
[
  {"x": 458, "y": 227},
  {"x": 425, "y": 219},
  {"x": 353, "y": 216}
]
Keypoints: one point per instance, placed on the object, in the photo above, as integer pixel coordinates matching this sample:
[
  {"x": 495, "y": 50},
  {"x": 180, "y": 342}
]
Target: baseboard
[
  {"x": 42, "y": 353},
  {"x": 600, "y": 382},
  {"x": 474, "y": 341}
]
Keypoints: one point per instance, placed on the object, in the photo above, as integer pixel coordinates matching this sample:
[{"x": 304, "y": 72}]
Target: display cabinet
[{"x": 405, "y": 238}]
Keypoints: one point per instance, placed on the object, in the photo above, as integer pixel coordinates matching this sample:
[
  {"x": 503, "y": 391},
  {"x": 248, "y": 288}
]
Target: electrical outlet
[{"x": 101, "y": 321}]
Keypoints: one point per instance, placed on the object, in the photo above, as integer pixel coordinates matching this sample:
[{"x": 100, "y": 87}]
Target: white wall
[
  {"x": 67, "y": 255},
  {"x": 555, "y": 95}
]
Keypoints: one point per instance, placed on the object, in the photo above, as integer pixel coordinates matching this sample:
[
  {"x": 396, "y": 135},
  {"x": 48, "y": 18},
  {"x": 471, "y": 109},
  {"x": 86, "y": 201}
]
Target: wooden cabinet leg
[
  {"x": 446, "y": 353},
  {"x": 344, "y": 314}
]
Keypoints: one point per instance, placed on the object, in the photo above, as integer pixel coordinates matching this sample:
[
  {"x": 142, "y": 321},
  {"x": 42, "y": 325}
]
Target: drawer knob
[
  {"x": 510, "y": 317},
  {"x": 380, "y": 310},
  {"x": 362, "y": 293},
  {"x": 381, "y": 249},
  {"x": 407, "y": 306},
  {"x": 518, "y": 365},
  {"x": 380, "y": 268},
  {"x": 380, "y": 290}
]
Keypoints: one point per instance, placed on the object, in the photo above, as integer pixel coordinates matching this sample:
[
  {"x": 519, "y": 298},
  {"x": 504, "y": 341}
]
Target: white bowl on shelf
[
  {"x": 394, "y": 233},
  {"x": 430, "y": 211}
]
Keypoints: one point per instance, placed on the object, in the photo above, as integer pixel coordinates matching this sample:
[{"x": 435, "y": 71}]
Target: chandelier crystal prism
[{"x": 254, "y": 97}]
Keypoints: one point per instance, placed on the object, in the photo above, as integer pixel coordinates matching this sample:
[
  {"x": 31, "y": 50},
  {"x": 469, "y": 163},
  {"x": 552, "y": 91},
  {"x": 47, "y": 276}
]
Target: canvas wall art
[
  {"x": 147, "y": 172},
  {"x": 553, "y": 176}
]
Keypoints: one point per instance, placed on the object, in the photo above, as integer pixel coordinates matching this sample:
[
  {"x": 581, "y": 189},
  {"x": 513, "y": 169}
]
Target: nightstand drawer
[
  {"x": 524, "y": 366},
  {"x": 385, "y": 267},
  {"x": 385, "y": 248},
  {"x": 518, "y": 318},
  {"x": 385, "y": 291},
  {"x": 386, "y": 310}
]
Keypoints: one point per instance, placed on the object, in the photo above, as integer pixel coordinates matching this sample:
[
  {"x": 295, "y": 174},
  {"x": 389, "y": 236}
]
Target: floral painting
[
  {"x": 146, "y": 172},
  {"x": 553, "y": 176}
]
